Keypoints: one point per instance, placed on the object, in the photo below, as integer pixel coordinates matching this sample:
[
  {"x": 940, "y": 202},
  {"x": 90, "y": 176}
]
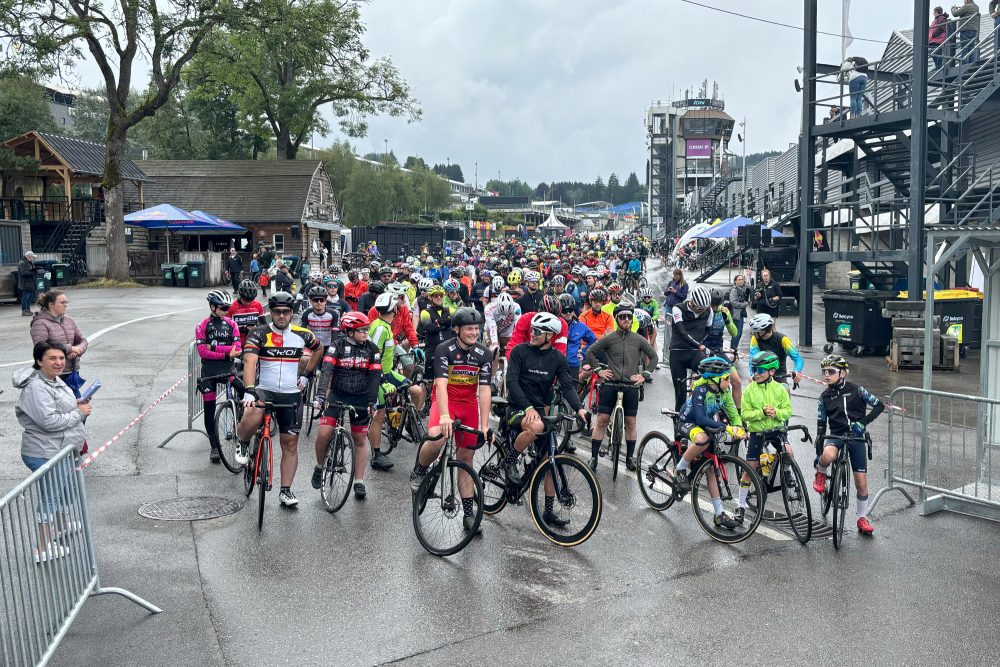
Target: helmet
[
  {"x": 598, "y": 294},
  {"x": 615, "y": 288},
  {"x": 330, "y": 280},
  {"x": 760, "y": 322},
  {"x": 547, "y": 322},
  {"x": 219, "y": 297},
  {"x": 646, "y": 294},
  {"x": 700, "y": 297},
  {"x": 558, "y": 280},
  {"x": 353, "y": 321},
  {"x": 506, "y": 304},
  {"x": 376, "y": 287},
  {"x": 834, "y": 361},
  {"x": 396, "y": 288},
  {"x": 568, "y": 302},
  {"x": 624, "y": 308},
  {"x": 316, "y": 291},
  {"x": 415, "y": 277},
  {"x": 531, "y": 277},
  {"x": 497, "y": 285},
  {"x": 385, "y": 271},
  {"x": 315, "y": 275},
  {"x": 435, "y": 290},
  {"x": 593, "y": 273},
  {"x": 578, "y": 270},
  {"x": 352, "y": 274},
  {"x": 716, "y": 298},
  {"x": 466, "y": 316},
  {"x": 714, "y": 367},
  {"x": 765, "y": 361},
  {"x": 410, "y": 259},
  {"x": 281, "y": 300},
  {"x": 451, "y": 285},
  {"x": 550, "y": 304},
  {"x": 248, "y": 289},
  {"x": 458, "y": 271},
  {"x": 385, "y": 303},
  {"x": 374, "y": 265},
  {"x": 425, "y": 284},
  {"x": 645, "y": 320}
]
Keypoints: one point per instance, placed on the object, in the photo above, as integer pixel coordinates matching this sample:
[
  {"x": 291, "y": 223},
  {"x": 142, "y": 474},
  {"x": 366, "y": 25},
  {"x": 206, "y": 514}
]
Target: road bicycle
[
  {"x": 838, "y": 486},
  {"x": 313, "y": 410},
  {"x": 615, "y": 436},
  {"x": 657, "y": 457},
  {"x": 438, "y": 512},
  {"x": 781, "y": 472},
  {"x": 228, "y": 414},
  {"x": 575, "y": 488},
  {"x": 338, "y": 465},
  {"x": 402, "y": 420},
  {"x": 260, "y": 470}
]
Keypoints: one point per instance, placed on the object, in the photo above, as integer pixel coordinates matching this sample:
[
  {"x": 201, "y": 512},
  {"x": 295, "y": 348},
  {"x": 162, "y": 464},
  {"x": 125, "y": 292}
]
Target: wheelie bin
[
  {"x": 181, "y": 275},
  {"x": 196, "y": 273},
  {"x": 854, "y": 321},
  {"x": 168, "y": 275}
]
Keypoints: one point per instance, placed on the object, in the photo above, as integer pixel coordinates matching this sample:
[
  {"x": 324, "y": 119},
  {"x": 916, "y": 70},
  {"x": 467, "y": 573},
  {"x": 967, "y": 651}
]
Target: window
[
  {"x": 10, "y": 244},
  {"x": 279, "y": 242}
]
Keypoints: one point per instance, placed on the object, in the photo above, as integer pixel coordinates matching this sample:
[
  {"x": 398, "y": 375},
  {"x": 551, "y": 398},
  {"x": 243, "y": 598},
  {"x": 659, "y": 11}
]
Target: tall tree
[
  {"x": 415, "y": 162},
  {"x": 340, "y": 164},
  {"x": 368, "y": 197},
  {"x": 614, "y": 189},
  {"x": 288, "y": 58},
  {"x": 632, "y": 190},
  {"x": 46, "y": 34},
  {"x": 23, "y": 107}
]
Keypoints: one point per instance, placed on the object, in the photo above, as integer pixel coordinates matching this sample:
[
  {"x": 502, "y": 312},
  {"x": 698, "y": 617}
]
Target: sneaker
[
  {"x": 865, "y": 527},
  {"x": 725, "y": 521},
  {"x": 381, "y": 462},
  {"x": 550, "y": 518},
  {"x": 819, "y": 484},
  {"x": 242, "y": 454},
  {"x": 630, "y": 463},
  {"x": 317, "y": 478},
  {"x": 740, "y": 513},
  {"x": 511, "y": 472},
  {"x": 288, "y": 498},
  {"x": 681, "y": 482},
  {"x": 214, "y": 455},
  {"x": 570, "y": 447},
  {"x": 603, "y": 451},
  {"x": 469, "y": 523},
  {"x": 592, "y": 464},
  {"x": 359, "y": 490},
  {"x": 50, "y": 552},
  {"x": 416, "y": 479}
]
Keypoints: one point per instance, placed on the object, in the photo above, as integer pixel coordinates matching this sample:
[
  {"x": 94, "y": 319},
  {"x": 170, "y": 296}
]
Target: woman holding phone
[{"x": 51, "y": 323}]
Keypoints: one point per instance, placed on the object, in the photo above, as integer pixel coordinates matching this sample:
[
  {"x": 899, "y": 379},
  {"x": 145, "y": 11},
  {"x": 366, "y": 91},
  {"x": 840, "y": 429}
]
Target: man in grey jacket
[{"x": 967, "y": 15}]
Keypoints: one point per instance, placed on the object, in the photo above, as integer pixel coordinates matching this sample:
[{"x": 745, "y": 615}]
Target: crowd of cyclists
[{"x": 528, "y": 320}]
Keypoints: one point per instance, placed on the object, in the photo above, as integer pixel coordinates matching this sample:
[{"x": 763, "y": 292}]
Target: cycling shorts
[
  {"x": 393, "y": 378},
  {"x": 755, "y": 445},
  {"x": 288, "y": 409},
  {"x": 855, "y": 451},
  {"x": 689, "y": 432},
  {"x": 405, "y": 357},
  {"x": 609, "y": 396},
  {"x": 359, "y": 420},
  {"x": 467, "y": 412}
]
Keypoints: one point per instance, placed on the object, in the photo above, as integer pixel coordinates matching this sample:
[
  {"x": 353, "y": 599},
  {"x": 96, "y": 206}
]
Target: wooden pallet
[{"x": 908, "y": 354}]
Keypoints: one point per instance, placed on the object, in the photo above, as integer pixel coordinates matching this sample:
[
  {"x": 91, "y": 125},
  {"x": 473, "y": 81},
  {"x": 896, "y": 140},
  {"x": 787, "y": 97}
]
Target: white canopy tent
[{"x": 552, "y": 223}]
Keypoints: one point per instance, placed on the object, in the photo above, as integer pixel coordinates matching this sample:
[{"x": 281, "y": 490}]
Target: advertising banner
[{"x": 697, "y": 148}]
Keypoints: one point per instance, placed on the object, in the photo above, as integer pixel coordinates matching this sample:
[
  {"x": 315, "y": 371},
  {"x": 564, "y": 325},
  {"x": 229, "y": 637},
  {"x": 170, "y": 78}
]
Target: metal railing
[
  {"x": 941, "y": 445},
  {"x": 195, "y": 406},
  {"x": 49, "y": 565}
]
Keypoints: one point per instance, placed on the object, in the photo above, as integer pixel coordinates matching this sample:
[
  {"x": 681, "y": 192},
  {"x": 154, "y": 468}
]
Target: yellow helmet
[{"x": 514, "y": 277}]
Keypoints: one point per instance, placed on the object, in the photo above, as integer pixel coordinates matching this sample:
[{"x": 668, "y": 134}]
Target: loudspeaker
[
  {"x": 752, "y": 235},
  {"x": 296, "y": 232}
]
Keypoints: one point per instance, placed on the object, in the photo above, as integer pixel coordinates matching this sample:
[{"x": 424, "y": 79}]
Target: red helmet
[
  {"x": 353, "y": 321},
  {"x": 550, "y": 304}
]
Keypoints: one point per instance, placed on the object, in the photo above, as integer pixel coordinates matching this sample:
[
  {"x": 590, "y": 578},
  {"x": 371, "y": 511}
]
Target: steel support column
[
  {"x": 918, "y": 149},
  {"x": 807, "y": 173}
]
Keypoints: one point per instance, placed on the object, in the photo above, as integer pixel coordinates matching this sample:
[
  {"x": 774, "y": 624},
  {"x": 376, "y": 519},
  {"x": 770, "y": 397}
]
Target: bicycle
[
  {"x": 574, "y": 483},
  {"x": 657, "y": 458},
  {"x": 338, "y": 465},
  {"x": 227, "y": 415},
  {"x": 440, "y": 525},
  {"x": 616, "y": 427},
  {"x": 260, "y": 471},
  {"x": 782, "y": 472},
  {"x": 838, "y": 487},
  {"x": 314, "y": 411},
  {"x": 402, "y": 420}
]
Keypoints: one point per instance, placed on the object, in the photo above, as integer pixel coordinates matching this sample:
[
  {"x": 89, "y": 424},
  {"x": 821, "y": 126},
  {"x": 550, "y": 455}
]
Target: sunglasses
[
  {"x": 224, "y": 306},
  {"x": 535, "y": 331},
  {"x": 624, "y": 316},
  {"x": 318, "y": 299},
  {"x": 831, "y": 371},
  {"x": 282, "y": 312}
]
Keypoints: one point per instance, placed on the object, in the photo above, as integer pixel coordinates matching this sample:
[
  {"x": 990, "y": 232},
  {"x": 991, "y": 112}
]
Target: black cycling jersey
[
  {"x": 531, "y": 375},
  {"x": 844, "y": 404},
  {"x": 351, "y": 369},
  {"x": 689, "y": 328},
  {"x": 365, "y": 302}
]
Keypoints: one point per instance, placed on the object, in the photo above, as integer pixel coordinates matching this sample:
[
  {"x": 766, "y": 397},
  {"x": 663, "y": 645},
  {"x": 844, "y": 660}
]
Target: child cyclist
[
  {"x": 766, "y": 407},
  {"x": 710, "y": 395},
  {"x": 842, "y": 408}
]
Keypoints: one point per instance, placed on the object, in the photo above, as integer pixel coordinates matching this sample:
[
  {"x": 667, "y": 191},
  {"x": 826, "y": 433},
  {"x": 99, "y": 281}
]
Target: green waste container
[
  {"x": 60, "y": 275},
  {"x": 181, "y": 275},
  {"x": 168, "y": 275},
  {"x": 962, "y": 317},
  {"x": 854, "y": 320},
  {"x": 196, "y": 273}
]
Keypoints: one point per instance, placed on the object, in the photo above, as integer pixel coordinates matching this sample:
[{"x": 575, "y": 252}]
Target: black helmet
[
  {"x": 352, "y": 274},
  {"x": 834, "y": 361},
  {"x": 316, "y": 291},
  {"x": 281, "y": 300},
  {"x": 716, "y": 298},
  {"x": 598, "y": 294},
  {"x": 247, "y": 289},
  {"x": 376, "y": 287},
  {"x": 551, "y": 304},
  {"x": 219, "y": 297},
  {"x": 568, "y": 302},
  {"x": 466, "y": 316}
]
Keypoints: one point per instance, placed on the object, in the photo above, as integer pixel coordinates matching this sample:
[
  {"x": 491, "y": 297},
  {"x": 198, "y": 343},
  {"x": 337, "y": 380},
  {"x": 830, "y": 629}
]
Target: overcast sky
[{"x": 557, "y": 90}]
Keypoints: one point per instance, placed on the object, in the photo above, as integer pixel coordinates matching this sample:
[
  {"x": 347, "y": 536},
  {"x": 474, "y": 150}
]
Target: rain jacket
[
  {"x": 755, "y": 396},
  {"x": 48, "y": 413}
]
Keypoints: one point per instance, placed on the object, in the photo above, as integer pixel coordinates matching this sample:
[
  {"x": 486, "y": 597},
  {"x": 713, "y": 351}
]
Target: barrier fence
[
  {"x": 195, "y": 406},
  {"x": 48, "y": 567},
  {"x": 941, "y": 445}
]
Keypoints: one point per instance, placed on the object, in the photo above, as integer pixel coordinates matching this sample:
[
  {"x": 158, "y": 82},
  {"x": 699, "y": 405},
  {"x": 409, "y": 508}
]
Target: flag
[{"x": 846, "y": 37}]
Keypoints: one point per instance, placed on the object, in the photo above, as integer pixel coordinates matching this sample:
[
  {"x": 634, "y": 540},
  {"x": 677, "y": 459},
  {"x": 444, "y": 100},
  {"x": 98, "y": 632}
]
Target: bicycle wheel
[
  {"x": 731, "y": 471},
  {"x": 839, "y": 493},
  {"x": 577, "y": 500},
  {"x": 617, "y": 438},
  {"x": 311, "y": 413},
  {"x": 263, "y": 478},
  {"x": 390, "y": 436},
  {"x": 643, "y": 283},
  {"x": 491, "y": 476},
  {"x": 414, "y": 425},
  {"x": 438, "y": 509},
  {"x": 225, "y": 429},
  {"x": 795, "y": 495},
  {"x": 338, "y": 471},
  {"x": 656, "y": 458},
  {"x": 250, "y": 469}
]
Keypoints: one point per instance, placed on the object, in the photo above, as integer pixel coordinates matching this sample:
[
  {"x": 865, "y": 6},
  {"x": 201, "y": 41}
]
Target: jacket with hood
[
  {"x": 48, "y": 413},
  {"x": 46, "y": 326}
]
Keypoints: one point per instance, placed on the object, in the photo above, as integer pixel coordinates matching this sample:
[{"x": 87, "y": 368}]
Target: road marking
[{"x": 98, "y": 334}]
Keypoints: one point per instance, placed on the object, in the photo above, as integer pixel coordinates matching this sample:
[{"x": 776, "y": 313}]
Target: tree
[
  {"x": 632, "y": 190},
  {"x": 289, "y": 58},
  {"x": 614, "y": 189},
  {"x": 340, "y": 165},
  {"x": 368, "y": 196},
  {"x": 46, "y": 34},
  {"x": 541, "y": 190},
  {"x": 431, "y": 192},
  {"x": 23, "y": 107},
  {"x": 455, "y": 173},
  {"x": 389, "y": 158},
  {"x": 415, "y": 162}
]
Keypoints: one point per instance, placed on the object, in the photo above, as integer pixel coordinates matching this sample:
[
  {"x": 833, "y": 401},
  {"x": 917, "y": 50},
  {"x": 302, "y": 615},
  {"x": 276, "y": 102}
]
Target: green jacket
[
  {"x": 757, "y": 395},
  {"x": 380, "y": 333}
]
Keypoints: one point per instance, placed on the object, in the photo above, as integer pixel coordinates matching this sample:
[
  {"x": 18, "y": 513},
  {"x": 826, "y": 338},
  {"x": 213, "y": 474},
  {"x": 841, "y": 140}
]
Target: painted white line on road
[{"x": 91, "y": 338}]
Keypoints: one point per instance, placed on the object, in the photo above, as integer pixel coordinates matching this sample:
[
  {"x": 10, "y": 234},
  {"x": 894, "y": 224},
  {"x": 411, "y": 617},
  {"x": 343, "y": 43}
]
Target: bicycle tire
[
  {"x": 446, "y": 503},
  {"x": 701, "y": 503},
  {"x": 417, "y": 429},
  {"x": 617, "y": 437},
  {"x": 263, "y": 475},
  {"x": 656, "y": 458},
  {"x": 492, "y": 478},
  {"x": 250, "y": 469},
  {"x": 839, "y": 502},
  {"x": 338, "y": 472},
  {"x": 225, "y": 431},
  {"x": 643, "y": 283},
  {"x": 307, "y": 402},
  {"x": 572, "y": 492},
  {"x": 390, "y": 437},
  {"x": 795, "y": 496}
]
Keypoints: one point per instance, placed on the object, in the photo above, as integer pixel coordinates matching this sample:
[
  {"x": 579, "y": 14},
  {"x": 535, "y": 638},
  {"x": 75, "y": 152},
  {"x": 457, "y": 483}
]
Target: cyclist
[
  {"x": 648, "y": 303},
  {"x": 531, "y": 300},
  {"x": 624, "y": 350},
  {"x": 766, "y": 338},
  {"x": 579, "y": 337},
  {"x": 595, "y": 318},
  {"x": 531, "y": 374},
  {"x": 247, "y": 311},
  {"x": 452, "y": 299},
  {"x": 351, "y": 373},
  {"x": 709, "y": 396},
  {"x": 336, "y": 305},
  {"x": 319, "y": 319},
  {"x": 367, "y": 300},
  {"x": 270, "y": 375},
  {"x": 461, "y": 391},
  {"x": 522, "y": 329},
  {"x": 766, "y": 407},
  {"x": 502, "y": 316},
  {"x": 842, "y": 408},
  {"x": 722, "y": 322},
  {"x": 690, "y": 323},
  {"x": 435, "y": 326},
  {"x": 218, "y": 341}
]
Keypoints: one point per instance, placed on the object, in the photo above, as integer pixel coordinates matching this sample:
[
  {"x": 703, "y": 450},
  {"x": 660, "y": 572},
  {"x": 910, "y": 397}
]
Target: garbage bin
[
  {"x": 43, "y": 281},
  {"x": 15, "y": 279},
  {"x": 60, "y": 274},
  {"x": 961, "y": 314},
  {"x": 181, "y": 275},
  {"x": 196, "y": 273},
  {"x": 168, "y": 275},
  {"x": 854, "y": 320}
]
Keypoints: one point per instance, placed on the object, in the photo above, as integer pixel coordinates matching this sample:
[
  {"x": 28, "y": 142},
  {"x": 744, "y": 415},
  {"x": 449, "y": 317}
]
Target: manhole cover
[{"x": 191, "y": 508}]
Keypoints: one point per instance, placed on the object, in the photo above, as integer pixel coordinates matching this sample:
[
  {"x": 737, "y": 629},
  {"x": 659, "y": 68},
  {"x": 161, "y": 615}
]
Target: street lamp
[{"x": 742, "y": 138}]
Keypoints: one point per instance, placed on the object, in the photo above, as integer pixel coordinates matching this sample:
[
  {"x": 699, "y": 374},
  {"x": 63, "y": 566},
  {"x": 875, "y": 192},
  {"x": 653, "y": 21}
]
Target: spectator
[
  {"x": 51, "y": 323},
  {"x": 767, "y": 296},
  {"x": 968, "y": 16},
  {"x": 234, "y": 267},
  {"x": 739, "y": 299},
  {"x": 283, "y": 279},
  {"x": 27, "y": 272},
  {"x": 52, "y": 418},
  {"x": 855, "y": 70},
  {"x": 254, "y": 268},
  {"x": 938, "y": 32},
  {"x": 675, "y": 292}
]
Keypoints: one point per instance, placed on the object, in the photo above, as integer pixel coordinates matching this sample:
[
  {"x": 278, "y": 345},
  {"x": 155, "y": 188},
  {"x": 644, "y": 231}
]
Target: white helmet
[
  {"x": 531, "y": 276},
  {"x": 628, "y": 299},
  {"x": 506, "y": 304},
  {"x": 386, "y": 302},
  {"x": 760, "y": 322},
  {"x": 700, "y": 297},
  {"x": 415, "y": 277},
  {"x": 547, "y": 322},
  {"x": 395, "y": 288},
  {"x": 315, "y": 275},
  {"x": 497, "y": 285},
  {"x": 410, "y": 259},
  {"x": 425, "y": 284}
]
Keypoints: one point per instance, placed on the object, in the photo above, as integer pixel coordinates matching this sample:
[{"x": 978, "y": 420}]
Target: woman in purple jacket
[
  {"x": 51, "y": 323},
  {"x": 675, "y": 292}
]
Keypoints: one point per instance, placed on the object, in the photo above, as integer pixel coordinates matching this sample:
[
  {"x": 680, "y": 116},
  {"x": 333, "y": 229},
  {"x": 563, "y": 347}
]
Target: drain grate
[
  {"x": 190, "y": 508},
  {"x": 820, "y": 530}
]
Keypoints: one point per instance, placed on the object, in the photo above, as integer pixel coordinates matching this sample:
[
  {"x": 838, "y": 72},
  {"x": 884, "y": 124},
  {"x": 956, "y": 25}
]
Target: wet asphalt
[{"x": 357, "y": 588}]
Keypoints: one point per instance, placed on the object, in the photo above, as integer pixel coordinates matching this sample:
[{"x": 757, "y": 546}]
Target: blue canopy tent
[
  {"x": 728, "y": 229},
  {"x": 173, "y": 219}
]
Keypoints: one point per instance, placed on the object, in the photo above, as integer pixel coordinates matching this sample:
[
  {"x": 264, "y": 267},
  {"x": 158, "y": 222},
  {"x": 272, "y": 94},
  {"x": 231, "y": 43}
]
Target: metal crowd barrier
[
  {"x": 48, "y": 567},
  {"x": 195, "y": 406},
  {"x": 941, "y": 445}
]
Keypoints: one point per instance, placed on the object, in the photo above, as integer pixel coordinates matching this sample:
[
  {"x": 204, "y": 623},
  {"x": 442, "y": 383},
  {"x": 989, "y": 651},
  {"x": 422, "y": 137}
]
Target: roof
[
  {"x": 239, "y": 190},
  {"x": 707, "y": 113},
  {"x": 86, "y": 157}
]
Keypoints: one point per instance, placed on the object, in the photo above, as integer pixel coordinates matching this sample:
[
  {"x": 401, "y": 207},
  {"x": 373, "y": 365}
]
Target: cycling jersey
[
  {"x": 380, "y": 333},
  {"x": 704, "y": 404},
  {"x": 721, "y": 322},
  {"x": 689, "y": 328},
  {"x": 465, "y": 369},
  {"x": 579, "y": 339},
  {"x": 216, "y": 337},
  {"x": 624, "y": 351},
  {"x": 321, "y": 324},
  {"x": 652, "y": 307},
  {"x": 351, "y": 369},
  {"x": 531, "y": 376},
  {"x": 402, "y": 324},
  {"x": 278, "y": 352},
  {"x": 435, "y": 327},
  {"x": 842, "y": 407},
  {"x": 599, "y": 322},
  {"x": 247, "y": 316},
  {"x": 756, "y": 395},
  {"x": 505, "y": 320},
  {"x": 782, "y": 346}
]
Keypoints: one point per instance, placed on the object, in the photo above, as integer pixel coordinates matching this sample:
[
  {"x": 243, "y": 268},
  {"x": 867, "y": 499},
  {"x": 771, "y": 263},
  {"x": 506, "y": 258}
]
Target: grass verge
[{"x": 109, "y": 283}]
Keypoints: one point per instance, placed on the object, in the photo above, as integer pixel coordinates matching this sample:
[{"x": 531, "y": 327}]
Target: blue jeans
[
  {"x": 857, "y": 88},
  {"x": 27, "y": 298},
  {"x": 735, "y": 342},
  {"x": 51, "y": 487},
  {"x": 968, "y": 39}
]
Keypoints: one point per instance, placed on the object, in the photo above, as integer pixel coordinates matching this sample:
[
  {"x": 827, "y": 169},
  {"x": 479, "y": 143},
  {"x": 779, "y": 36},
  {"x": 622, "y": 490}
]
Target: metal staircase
[{"x": 708, "y": 197}]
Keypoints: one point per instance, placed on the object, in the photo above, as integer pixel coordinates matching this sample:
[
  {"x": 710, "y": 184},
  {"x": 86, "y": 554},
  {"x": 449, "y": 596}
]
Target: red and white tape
[
  {"x": 888, "y": 405},
  {"x": 90, "y": 458}
]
